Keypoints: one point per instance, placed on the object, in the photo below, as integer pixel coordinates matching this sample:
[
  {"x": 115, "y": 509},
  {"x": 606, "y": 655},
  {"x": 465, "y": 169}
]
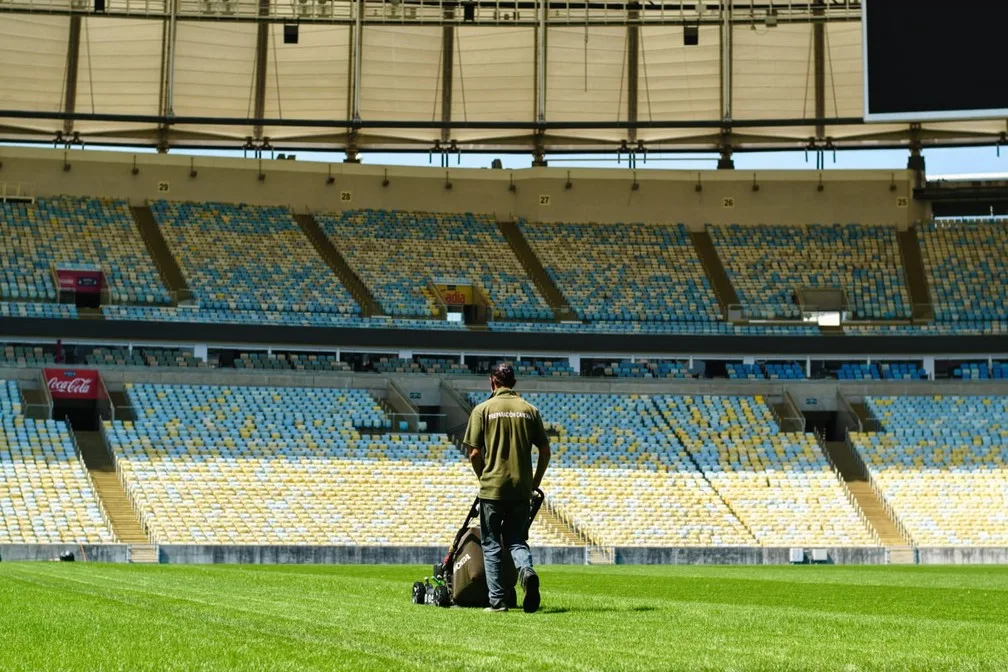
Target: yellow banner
[{"x": 456, "y": 295}]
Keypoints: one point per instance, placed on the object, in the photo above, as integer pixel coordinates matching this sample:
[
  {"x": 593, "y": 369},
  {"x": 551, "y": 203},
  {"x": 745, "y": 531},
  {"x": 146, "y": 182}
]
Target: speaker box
[
  {"x": 691, "y": 36},
  {"x": 99, "y": 5},
  {"x": 290, "y": 33}
]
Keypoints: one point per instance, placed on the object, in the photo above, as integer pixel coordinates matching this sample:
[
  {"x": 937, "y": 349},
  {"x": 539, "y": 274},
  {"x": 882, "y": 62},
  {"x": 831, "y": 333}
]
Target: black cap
[{"x": 503, "y": 374}]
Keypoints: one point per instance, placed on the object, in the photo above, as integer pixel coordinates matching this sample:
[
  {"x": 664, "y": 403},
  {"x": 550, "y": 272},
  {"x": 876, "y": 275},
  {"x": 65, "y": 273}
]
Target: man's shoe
[
  {"x": 530, "y": 582},
  {"x": 497, "y": 609}
]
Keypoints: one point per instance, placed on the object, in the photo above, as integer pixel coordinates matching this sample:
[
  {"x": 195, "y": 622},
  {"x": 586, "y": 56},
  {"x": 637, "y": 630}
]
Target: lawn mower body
[{"x": 460, "y": 579}]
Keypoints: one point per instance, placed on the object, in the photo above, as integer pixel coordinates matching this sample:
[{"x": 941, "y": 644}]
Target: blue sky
[
  {"x": 940, "y": 162},
  {"x": 973, "y": 161}
]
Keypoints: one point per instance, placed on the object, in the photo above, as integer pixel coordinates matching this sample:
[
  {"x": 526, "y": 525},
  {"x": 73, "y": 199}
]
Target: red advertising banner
[
  {"x": 85, "y": 282},
  {"x": 73, "y": 383}
]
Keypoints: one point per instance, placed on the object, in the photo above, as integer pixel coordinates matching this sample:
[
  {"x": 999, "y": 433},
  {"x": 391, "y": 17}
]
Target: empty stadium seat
[
  {"x": 244, "y": 258},
  {"x": 65, "y": 231},
  {"x": 271, "y": 465},
  {"x": 767, "y": 264},
  {"x": 46, "y": 495},
  {"x": 625, "y": 273},
  {"x": 966, "y": 264},
  {"x": 941, "y": 463},
  {"x": 441, "y": 246}
]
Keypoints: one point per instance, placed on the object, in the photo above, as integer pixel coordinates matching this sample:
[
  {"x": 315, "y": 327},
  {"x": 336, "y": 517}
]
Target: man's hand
[{"x": 476, "y": 460}]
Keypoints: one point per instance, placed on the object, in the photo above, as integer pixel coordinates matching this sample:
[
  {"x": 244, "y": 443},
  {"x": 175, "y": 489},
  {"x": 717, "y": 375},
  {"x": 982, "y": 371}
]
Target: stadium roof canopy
[{"x": 412, "y": 75}]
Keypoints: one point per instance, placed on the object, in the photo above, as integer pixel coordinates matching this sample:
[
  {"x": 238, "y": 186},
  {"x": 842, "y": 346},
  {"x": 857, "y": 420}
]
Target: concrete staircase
[
  {"x": 549, "y": 520},
  {"x": 900, "y": 551},
  {"x": 171, "y": 273},
  {"x": 144, "y": 553},
  {"x": 723, "y": 289},
  {"x": 535, "y": 270},
  {"x": 361, "y": 294},
  {"x": 600, "y": 555},
  {"x": 90, "y": 313},
  {"x": 916, "y": 279},
  {"x": 117, "y": 505}
]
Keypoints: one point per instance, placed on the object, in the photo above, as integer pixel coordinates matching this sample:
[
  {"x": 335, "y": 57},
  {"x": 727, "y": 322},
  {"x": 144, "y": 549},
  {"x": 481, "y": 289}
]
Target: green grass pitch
[{"x": 62, "y": 616}]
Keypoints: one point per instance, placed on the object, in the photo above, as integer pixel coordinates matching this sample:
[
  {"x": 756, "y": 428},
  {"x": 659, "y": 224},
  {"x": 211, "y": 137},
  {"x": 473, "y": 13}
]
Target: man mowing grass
[{"x": 499, "y": 439}]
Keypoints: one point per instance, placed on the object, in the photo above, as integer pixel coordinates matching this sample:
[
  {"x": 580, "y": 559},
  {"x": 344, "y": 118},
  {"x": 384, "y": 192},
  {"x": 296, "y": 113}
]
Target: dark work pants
[{"x": 503, "y": 524}]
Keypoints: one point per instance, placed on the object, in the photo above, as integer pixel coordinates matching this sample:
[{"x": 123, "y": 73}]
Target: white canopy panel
[
  {"x": 108, "y": 82},
  {"x": 127, "y": 66},
  {"x": 33, "y": 52},
  {"x": 493, "y": 76},
  {"x": 676, "y": 81},
  {"x": 307, "y": 80},
  {"x": 214, "y": 74}
]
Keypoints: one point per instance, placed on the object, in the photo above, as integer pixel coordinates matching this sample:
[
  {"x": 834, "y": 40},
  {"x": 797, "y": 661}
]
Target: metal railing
[
  {"x": 880, "y": 495},
  {"x": 862, "y": 516},
  {"x": 87, "y": 474}
]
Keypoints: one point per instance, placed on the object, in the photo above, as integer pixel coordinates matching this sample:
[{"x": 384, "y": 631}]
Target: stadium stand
[
  {"x": 296, "y": 319},
  {"x": 231, "y": 464},
  {"x": 67, "y": 231},
  {"x": 941, "y": 463},
  {"x": 442, "y": 246},
  {"x": 971, "y": 371},
  {"x": 55, "y": 311},
  {"x": 626, "y": 275},
  {"x": 396, "y": 365},
  {"x": 621, "y": 477},
  {"x": 310, "y": 362},
  {"x": 239, "y": 258},
  {"x": 858, "y": 371},
  {"x": 45, "y": 493},
  {"x": 444, "y": 366},
  {"x": 784, "y": 371},
  {"x": 740, "y": 371},
  {"x": 999, "y": 370},
  {"x": 660, "y": 470},
  {"x": 25, "y": 355},
  {"x": 767, "y": 264},
  {"x": 642, "y": 368},
  {"x": 902, "y": 371},
  {"x": 966, "y": 263},
  {"x": 692, "y": 328},
  {"x": 159, "y": 357},
  {"x": 780, "y": 485}
]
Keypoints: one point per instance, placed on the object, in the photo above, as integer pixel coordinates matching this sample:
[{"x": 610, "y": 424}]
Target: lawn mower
[{"x": 460, "y": 579}]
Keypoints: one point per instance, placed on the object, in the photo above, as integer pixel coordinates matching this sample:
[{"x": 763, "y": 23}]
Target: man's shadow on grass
[{"x": 594, "y": 610}]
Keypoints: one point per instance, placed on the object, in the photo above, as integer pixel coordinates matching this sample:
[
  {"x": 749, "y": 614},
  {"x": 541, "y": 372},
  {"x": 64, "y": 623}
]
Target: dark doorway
[
  {"x": 82, "y": 413},
  {"x": 824, "y": 422}
]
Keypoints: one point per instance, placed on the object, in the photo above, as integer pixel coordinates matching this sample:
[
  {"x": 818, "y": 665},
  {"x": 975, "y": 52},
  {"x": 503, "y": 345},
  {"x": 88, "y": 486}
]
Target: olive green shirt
[{"x": 505, "y": 427}]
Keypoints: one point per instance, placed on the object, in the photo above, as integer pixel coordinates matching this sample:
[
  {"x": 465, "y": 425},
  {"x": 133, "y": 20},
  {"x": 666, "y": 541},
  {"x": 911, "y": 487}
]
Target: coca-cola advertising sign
[{"x": 72, "y": 383}]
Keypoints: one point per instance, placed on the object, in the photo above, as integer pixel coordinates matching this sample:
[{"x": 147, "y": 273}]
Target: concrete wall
[
  {"x": 340, "y": 555},
  {"x": 88, "y": 552},
  {"x": 784, "y": 197},
  {"x": 744, "y": 555},
  {"x": 973, "y": 555}
]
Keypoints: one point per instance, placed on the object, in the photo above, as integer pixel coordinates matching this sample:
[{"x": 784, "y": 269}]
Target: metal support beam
[
  {"x": 540, "y": 60},
  {"x": 447, "y": 70},
  {"x": 819, "y": 64},
  {"x": 72, "y": 68},
  {"x": 725, "y": 161},
  {"x": 726, "y": 63},
  {"x": 358, "y": 40},
  {"x": 633, "y": 56},
  {"x": 261, "y": 52},
  {"x": 166, "y": 99}
]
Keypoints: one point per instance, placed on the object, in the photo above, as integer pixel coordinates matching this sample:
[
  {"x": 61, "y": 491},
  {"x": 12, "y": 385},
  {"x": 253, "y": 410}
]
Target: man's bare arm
[
  {"x": 476, "y": 460},
  {"x": 541, "y": 464}
]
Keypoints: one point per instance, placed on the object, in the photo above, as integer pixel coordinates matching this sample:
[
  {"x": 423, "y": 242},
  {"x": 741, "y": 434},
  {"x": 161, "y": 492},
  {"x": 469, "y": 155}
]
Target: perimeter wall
[{"x": 540, "y": 194}]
